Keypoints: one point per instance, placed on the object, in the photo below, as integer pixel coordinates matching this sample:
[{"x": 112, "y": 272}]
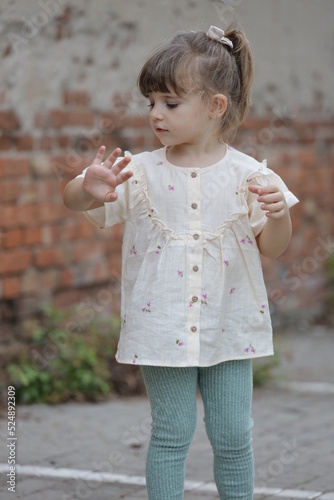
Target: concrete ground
[{"x": 97, "y": 451}]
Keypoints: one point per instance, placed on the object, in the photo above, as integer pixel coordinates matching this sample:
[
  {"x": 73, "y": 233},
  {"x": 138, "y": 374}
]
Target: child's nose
[{"x": 156, "y": 112}]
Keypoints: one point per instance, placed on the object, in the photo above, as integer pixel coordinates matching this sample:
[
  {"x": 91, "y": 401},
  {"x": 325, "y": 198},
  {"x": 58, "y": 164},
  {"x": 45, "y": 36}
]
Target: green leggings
[{"x": 226, "y": 390}]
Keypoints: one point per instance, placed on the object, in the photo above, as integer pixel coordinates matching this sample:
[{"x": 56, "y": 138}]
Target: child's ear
[{"x": 218, "y": 105}]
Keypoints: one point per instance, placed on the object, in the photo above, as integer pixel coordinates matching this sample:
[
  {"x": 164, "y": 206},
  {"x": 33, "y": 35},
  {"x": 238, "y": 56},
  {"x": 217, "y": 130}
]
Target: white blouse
[{"x": 192, "y": 285}]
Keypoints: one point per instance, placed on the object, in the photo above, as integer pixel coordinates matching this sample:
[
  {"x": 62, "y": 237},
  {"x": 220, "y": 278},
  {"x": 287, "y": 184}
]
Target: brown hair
[{"x": 192, "y": 61}]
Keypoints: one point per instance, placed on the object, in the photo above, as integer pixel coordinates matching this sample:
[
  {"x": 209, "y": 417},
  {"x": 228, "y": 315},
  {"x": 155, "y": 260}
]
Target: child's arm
[
  {"x": 275, "y": 236},
  {"x": 99, "y": 184}
]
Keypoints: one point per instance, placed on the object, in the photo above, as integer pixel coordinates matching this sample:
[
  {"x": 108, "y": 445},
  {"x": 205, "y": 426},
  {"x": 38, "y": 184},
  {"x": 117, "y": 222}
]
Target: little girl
[{"x": 197, "y": 213}]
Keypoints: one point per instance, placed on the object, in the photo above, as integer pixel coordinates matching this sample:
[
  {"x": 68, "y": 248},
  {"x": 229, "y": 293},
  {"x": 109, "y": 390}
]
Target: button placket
[{"x": 195, "y": 256}]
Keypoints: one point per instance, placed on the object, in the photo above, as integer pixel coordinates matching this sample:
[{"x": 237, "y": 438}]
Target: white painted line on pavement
[
  {"x": 105, "y": 477},
  {"x": 315, "y": 387}
]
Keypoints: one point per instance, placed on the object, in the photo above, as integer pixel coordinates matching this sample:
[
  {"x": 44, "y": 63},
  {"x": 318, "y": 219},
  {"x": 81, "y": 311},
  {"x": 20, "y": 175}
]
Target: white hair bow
[{"x": 218, "y": 35}]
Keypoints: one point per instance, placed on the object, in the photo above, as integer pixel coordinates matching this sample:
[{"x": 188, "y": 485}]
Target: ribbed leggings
[{"x": 226, "y": 390}]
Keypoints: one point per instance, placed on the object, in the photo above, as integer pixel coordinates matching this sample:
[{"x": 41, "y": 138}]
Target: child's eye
[
  {"x": 170, "y": 105},
  {"x": 151, "y": 105}
]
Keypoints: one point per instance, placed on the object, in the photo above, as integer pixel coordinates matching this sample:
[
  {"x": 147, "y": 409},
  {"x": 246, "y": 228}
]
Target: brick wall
[
  {"x": 51, "y": 254},
  {"x": 65, "y": 63},
  {"x": 48, "y": 252}
]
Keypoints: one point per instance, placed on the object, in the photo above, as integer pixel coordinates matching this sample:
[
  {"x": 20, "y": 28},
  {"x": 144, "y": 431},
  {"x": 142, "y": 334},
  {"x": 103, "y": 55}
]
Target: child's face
[{"x": 179, "y": 120}]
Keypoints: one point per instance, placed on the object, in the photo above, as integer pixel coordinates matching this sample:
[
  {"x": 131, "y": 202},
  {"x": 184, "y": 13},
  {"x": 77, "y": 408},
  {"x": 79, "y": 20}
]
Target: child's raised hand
[
  {"x": 101, "y": 180},
  {"x": 272, "y": 200}
]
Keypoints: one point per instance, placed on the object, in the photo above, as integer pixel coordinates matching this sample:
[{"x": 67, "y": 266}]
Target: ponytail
[{"x": 243, "y": 55}]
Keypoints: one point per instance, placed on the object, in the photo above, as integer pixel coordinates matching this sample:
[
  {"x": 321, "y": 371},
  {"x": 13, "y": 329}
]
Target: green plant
[
  {"x": 263, "y": 368},
  {"x": 330, "y": 281},
  {"x": 61, "y": 363}
]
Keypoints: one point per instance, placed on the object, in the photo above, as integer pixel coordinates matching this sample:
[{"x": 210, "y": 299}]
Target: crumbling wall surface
[{"x": 68, "y": 84}]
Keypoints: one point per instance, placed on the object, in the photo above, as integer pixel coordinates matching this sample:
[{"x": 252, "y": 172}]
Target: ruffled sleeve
[
  {"x": 129, "y": 196},
  {"x": 263, "y": 177}
]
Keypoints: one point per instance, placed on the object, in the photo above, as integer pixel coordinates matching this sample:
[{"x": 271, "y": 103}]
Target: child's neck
[{"x": 196, "y": 155}]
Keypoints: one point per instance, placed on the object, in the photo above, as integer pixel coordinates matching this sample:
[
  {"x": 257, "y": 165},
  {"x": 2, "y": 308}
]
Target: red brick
[
  {"x": 63, "y": 141},
  {"x": 78, "y": 231},
  {"x": 87, "y": 252},
  {"x": 51, "y": 212},
  {"x": 18, "y": 216},
  {"x": 9, "y": 191},
  {"x": 9, "y": 120},
  {"x": 2, "y": 96},
  {"x": 58, "y": 118},
  {"x": 42, "y": 119},
  {"x": 50, "y": 257},
  {"x": 24, "y": 142},
  {"x": 6, "y": 143},
  {"x": 139, "y": 122},
  {"x": 14, "y": 262},
  {"x": 13, "y": 238},
  {"x": 2, "y": 240},
  {"x": 32, "y": 236},
  {"x": 67, "y": 279},
  {"x": 76, "y": 97},
  {"x": 14, "y": 166},
  {"x": 111, "y": 121},
  {"x": 81, "y": 118},
  {"x": 45, "y": 143},
  {"x": 10, "y": 288}
]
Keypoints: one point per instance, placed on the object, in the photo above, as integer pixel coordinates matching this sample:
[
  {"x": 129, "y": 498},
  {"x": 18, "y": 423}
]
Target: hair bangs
[{"x": 164, "y": 72}]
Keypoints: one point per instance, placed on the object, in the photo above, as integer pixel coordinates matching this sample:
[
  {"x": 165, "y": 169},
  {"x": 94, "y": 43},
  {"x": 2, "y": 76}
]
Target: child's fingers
[
  {"x": 120, "y": 165},
  {"x": 273, "y": 207},
  {"x": 254, "y": 189},
  {"x": 99, "y": 155},
  {"x": 270, "y": 198},
  {"x": 112, "y": 158},
  {"x": 124, "y": 176}
]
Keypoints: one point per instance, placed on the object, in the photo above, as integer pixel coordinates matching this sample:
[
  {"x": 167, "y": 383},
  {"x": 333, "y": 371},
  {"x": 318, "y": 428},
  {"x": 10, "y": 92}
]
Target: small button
[
  {"x": 193, "y": 175},
  {"x": 196, "y": 236},
  {"x": 193, "y": 329},
  {"x": 194, "y": 206},
  {"x": 194, "y": 298},
  {"x": 195, "y": 268}
]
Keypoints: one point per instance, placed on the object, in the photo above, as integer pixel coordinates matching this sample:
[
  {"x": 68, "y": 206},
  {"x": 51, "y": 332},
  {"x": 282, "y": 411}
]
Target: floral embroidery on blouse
[
  {"x": 171, "y": 188},
  {"x": 262, "y": 309},
  {"x": 124, "y": 318},
  {"x": 180, "y": 273},
  {"x": 223, "y": 330},
  {"x": 134, "y": 182},
  {"x": 135, "y": 357},
  {"x": 247, "y": 239},
  {"x": 226, "y": 262},
  {"x": 250, "y": 349},
  {"x": 133, "y": 250},
  {"x": 205, "y": 296},
  {"x": 232, "y": 290},
  {"x": 151, "y": 212},
  {"x": 179, "y": 343},
  {"x": 147, "y": 309},
  {"x": 160, "y": 163},
  {"x": 158, "y": 250}
]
